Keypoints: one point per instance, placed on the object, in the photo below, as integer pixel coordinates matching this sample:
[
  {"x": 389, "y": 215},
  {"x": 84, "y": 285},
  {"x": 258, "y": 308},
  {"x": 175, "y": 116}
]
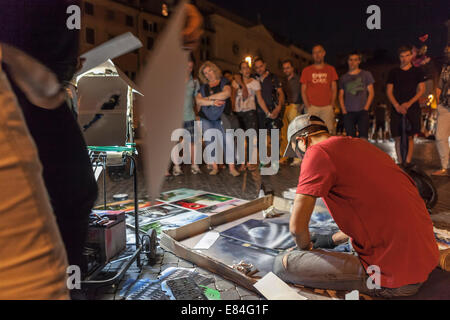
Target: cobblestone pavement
[{"x": 246, "y": 187}]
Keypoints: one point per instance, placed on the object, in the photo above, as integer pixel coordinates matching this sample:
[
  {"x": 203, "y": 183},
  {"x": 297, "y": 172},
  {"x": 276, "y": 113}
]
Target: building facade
[{"x": 227, "y": 40}]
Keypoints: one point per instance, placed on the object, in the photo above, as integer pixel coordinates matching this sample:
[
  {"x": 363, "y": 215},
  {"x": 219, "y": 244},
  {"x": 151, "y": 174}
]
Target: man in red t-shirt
[
  {"x": 319, "y": 88},
  {"x": 373, "y": 202}
]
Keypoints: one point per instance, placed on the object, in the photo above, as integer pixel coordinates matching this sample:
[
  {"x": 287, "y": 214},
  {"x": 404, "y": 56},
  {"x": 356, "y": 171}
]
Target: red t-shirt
[
  {"x": 318, "y": 84},
  {"x": 376, "y": 204}
]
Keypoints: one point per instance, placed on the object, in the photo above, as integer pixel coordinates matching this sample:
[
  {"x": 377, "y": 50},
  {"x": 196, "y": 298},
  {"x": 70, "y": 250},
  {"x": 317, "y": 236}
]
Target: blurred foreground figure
[
  {"x": 33, "y": 261},
  {"x": 39, "y": 29},
  {"x": 443, "y": 125}
]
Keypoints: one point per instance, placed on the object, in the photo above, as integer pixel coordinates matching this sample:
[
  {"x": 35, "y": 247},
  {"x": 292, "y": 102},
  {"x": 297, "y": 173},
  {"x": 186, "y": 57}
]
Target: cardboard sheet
[
  {"x": 273, "y": 288},
  {"x": 111, "y": 49},
  {"x": 163, "y": 86},
  {"x": 207, "y": 241}
]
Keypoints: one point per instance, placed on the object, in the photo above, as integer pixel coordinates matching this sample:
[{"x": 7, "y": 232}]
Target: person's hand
[
  {"x": 324, "y": 241},
  {"x": 344, "y": 112},
  {"x": 405, "y": 105},
  {"x": 193, "y": 30},
  {"x": 218, "y": 103},
  {"x": 400, "y": 109},
  {"x": 274, "y": 114}
]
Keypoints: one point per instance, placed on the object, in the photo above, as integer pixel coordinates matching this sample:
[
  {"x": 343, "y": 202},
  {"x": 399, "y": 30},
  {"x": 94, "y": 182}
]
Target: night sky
[{"x": 341, "y": 25}]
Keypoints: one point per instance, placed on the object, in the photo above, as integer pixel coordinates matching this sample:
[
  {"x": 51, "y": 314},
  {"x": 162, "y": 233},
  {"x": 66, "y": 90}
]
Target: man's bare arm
[
  {"x": 370, "y": 97},
  {"x": 261, "y": 102},
  {"x": 304, "y": 97},
  {"x": 438, "y": 95},
  {"x": 281, "y": 100},
  {"x": 420, "y": 91},
  {"x": 340, "y": 237},
  {"x": 341, "y": 100},
  {"x": 333, "y": 92},
  {"x": 299, "y": 222},
  {"x": 390, "y": 95}
]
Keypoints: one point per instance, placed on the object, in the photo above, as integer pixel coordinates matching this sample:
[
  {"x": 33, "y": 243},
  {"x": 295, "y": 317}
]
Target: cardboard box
[{"x": 181, "y": 241}]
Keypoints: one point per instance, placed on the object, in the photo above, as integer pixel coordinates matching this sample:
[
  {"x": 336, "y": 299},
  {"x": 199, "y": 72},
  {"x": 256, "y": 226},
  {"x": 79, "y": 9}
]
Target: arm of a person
[
  {"x": 304, "y": 97},
  {"x": 223, "y": 95},
  {"x": 420, "y": 91},
  {"x": 202, "y": 101},
  {"x": 299, "y": 221},
  {"x": 438, "y": 94},
  {"x": 333, "y": 92},
  {"x": 281, "y": 100},
  {"x": 261, "y": 102},
  {"x": 341, "y": 101},
  {"x": 370, "y": 97},
  {"x": 233, "y": 98},
  {"x": 390, "y": 95},
  {"x": 340, "y": 237}
]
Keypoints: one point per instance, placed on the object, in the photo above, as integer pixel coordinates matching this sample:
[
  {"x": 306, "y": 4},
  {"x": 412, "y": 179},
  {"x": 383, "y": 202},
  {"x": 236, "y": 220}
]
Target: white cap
[{"x": 299, "y": 123}]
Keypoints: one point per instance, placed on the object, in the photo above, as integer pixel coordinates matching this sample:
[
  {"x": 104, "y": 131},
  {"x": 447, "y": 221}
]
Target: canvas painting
[
  {"x": 202, "y": 201},
  {"x": 263, "y": 234},
  {"x": 179, "y": 194},
  {"x": 221, "y": 207}
]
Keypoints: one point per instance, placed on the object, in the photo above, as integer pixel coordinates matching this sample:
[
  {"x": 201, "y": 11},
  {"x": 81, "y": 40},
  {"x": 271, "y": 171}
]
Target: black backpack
[{"x": 424, "y": 184}]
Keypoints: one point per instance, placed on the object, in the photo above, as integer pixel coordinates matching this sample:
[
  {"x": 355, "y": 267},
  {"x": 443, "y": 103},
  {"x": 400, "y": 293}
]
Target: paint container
[{"x": 120, "y": 197}]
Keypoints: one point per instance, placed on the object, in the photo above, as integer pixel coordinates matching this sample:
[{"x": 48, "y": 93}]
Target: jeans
[
  {"x": 210, "y": 137},
  {"x": 331, "y": 270},
  {"x": 33, "y": 261},
  {"x": 357, "y": 120},
  {"x": 326, "y": 113},
  {"x": 442, "y": 135}
]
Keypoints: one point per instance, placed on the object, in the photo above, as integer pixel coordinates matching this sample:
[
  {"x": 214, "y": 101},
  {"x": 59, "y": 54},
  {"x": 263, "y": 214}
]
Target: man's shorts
[{"x": 413, "y": 117}]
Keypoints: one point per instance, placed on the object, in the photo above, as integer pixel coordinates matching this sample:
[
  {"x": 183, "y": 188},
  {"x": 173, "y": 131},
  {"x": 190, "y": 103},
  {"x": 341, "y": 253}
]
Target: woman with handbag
[{"x": 213, "y": 98}]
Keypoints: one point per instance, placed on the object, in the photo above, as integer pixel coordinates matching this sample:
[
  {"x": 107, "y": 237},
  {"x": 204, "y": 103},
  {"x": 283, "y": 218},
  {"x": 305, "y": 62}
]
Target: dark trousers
[
  {"x": 248, "y": 119},
  {"x": 358, "y": 120}
]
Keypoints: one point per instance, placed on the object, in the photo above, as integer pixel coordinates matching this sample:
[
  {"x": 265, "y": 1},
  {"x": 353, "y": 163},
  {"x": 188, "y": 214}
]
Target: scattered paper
[
  {"x": 111, "y": 49},
  {"x": 207, "y": 240},
  {"x": 354, "y": 295},
  {"x": 97, "y": 171},
  {"x": 273, "y": 288},
  {"x": 163, "y": 86}
]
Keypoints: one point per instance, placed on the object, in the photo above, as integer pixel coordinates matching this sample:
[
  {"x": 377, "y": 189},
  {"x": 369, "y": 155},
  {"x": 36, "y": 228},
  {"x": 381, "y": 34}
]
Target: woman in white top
[{"x": 245, "y": 92}]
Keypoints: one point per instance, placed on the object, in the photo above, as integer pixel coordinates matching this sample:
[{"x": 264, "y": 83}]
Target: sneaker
[
  {"x": 296, "y": 163},
  {"x": 234, "y": 172},
  {"x": 177, "y": 171},
  {"x": 195, "y": 169},
  {"x": 214, "y": 172},
  {"x": 440, "y": 173}
]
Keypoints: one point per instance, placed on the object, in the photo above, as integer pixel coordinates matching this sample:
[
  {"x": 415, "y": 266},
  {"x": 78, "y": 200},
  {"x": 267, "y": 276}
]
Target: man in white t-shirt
[{"x": 245, "y": 92}]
